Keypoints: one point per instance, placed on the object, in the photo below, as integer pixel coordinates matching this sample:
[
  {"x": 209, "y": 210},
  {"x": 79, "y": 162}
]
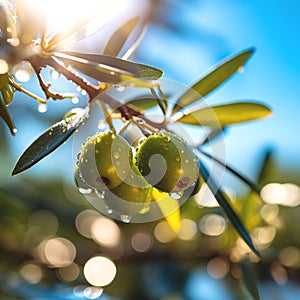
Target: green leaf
[
  {"x": 144, "y": 102},
  {"x": 50, "y": 140},
  {"x": 104, "y": 73},
  {"x": 227, "y": 114},
  {"x": 243, "y": 178},
  {"x": 249, "y": 278},
  {"x": 119, "y": 38},
  {"x": 137, "y": 70},
  {"x": 5, "y": 115},
  {"x": 212, "y": 80},
  {"x": 228, "y": 210}
]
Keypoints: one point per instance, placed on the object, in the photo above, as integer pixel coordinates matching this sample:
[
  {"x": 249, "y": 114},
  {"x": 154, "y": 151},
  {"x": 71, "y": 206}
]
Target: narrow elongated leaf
[
  {"x": 246, "y": 180},
  {"x": 227, "y": 114},
  {"x": 5, "y": 115},
  {"x": 119, "y": 38},
  {"x": 135, "y": 44},
  {"x": 212, "y": 80},
  {"x": 144, "y": 102},
  {"x": 249, "y": 278},
  {"x": 228, "y": 210},
  {"x": 50, "y": 140},
  {"x": 104, "y": 73},
  {"x": 137, "y": 70}
]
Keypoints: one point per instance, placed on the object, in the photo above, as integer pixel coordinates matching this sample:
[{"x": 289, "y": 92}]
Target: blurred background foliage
[{"x": 49, "y": 231}]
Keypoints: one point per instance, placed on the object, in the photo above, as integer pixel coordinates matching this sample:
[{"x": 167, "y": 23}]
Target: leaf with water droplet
[
  {"x": 212, "y": 80},
  {"x": 228, "y": 210},
  {"x": 50, "y": 140},
  {"x": 5, "y": 115}
]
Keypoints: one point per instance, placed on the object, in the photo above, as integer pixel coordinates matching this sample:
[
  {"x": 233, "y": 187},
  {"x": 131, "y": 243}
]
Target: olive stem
[{"x": 19, "y": 88}]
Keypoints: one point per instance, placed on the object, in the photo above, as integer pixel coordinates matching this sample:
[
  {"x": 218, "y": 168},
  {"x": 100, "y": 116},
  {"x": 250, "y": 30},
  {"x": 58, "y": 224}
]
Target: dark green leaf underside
[
  {"x": 5, "y": 115},
  {"x": 119, "y": 38},
  {"x": 45, "y": 144},
  {"x": 227, "y": 114},
  {"x": 212, "y": 80},
  {"x": 228, "y": 210}
]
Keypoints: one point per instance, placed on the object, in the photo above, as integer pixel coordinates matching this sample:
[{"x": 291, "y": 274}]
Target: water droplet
[
  {"x": 140, "y": 121},
  {"x": 54, "y": 74},
  {"x": 109, "y": 210},
  {"x": 120, "y": 88},
  {"x": 64, "y": 130},
  {"x": 177, "y": 158},
  {"x": 182, "y": 151},
  {"x": 166, "y": 147},
  {"x": 100, "y": 193},
  {"x": 78, "y": 88},
  {"x": 78, "y": 156},
  {"x": 116, "y": 155},
  {"x": 186, "y": 161},
  {"x": 195, "y": 159},
  {"x": 175, "y": 196},
  {"x": 15, "y": 130},
  {"x": 85, "y": 191},
  {"x": 166, "y": 139},
  {"x": 125, "y": 218},
  {"x": 75, "y": 100},
  {"x": 42, "y": 108},
  {"x": 101, "y": 125}
]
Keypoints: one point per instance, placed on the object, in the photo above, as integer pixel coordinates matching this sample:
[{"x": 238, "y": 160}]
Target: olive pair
[{"x": 162, "y": 160}]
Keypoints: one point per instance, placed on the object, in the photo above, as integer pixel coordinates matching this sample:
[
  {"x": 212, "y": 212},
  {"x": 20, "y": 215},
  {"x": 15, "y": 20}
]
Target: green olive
[
  {"x": 105, "y": 161},
  {"x": 167, "y": 162},
  {"x": 130, "y": 197}
]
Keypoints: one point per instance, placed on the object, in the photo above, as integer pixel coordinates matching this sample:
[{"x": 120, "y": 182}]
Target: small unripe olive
[
  {"x": 167, "y": 162},
  {"x": 105, "y": 161}
]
